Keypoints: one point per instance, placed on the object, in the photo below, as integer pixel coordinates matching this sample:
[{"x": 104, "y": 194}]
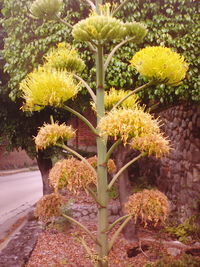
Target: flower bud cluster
[
  {"x": 64, "y": 57},
  {"x": 51, "y": 134},
  {"x": 107, "y": 28},
  {"x": 48, "y": 9},
  {"x": 152, "y": 144},
  {"x": 128, "y": 123}
]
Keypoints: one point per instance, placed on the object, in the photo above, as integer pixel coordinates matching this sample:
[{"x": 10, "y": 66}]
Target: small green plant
[
  {"x": 141, "y": 183},
  {"x": 113, "y": 193},
  {"x": 183, "y": 261},
  {"x": 188, "y": 228}
]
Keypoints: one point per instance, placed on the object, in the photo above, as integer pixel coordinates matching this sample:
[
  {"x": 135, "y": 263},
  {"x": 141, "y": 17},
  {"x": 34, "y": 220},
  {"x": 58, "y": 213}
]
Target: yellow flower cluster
[
  {"x": 41, "y": 9},
  {"x": 72, "y": 174},
  {"x": 113, "y": 96},
  {"x": 49, "y": 206},
  {"x": 110, "y": 164},
  {"x": 128, "y": 123},
  {"x": 149, "y": 206},
  {"x": 154, "y": 144},
  {"x": 50, "y": 134},
  {"x": 64, "y": 57},
  {"x": 45, "y": 87},
  {"x": 160, "y": 64}
]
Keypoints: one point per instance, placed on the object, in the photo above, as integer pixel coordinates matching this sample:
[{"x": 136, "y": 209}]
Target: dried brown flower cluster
[
  {"x": 148, "y": 205},
  {"x": 153, "y": 144},
  {"x": 50, "y": 134},
  {"x": 72, "y": 174},
  {"x": 49, "y": 206}
]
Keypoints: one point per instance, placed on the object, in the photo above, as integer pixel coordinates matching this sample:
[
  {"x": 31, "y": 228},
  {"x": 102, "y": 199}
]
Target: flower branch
[
  {"x": 77, "y": 155},
  {"x": 114, "y": 50},
  {"x": 81, "y": 117},
  {"x": 144, "y": 86},
  {"x": 116, "y": 222},
  {"x": 119, "y": 7},
  {"x": 91, "y": 4},
  {"x": 64, "y": 22},
  {"x": 81, "y": 226},
  {"x": 123, "y": 169},
  {"x": 94, "y": 196},
  {"x": 87, "y": 87},
  {"x": 118, "y": 231},
  {"x": 112, "y": 148}
]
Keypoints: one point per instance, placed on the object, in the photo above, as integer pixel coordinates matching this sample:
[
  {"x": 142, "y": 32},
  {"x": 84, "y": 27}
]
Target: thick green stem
[
  {"x": 124, "y": 168},
  {"x": 81, "y": 117},
  {"x": 102, "y": 182}
]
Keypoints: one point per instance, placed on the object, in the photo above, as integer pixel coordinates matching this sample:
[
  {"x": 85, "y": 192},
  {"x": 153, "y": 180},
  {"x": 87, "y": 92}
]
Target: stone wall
[
  {"x": 179, "y": 174},
  {"x": 89, "y": 212}
]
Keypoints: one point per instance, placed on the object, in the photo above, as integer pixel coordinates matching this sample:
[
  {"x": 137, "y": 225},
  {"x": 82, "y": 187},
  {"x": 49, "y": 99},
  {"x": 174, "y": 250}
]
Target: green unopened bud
[
  {"x": 99, "y": 28},
  {"x": 41, "y": 9},
  {"x": 135, "y": 29}
]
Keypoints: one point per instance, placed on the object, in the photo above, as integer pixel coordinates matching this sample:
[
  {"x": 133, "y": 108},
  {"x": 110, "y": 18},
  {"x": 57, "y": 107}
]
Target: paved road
[{"x": 17, "y": 193}]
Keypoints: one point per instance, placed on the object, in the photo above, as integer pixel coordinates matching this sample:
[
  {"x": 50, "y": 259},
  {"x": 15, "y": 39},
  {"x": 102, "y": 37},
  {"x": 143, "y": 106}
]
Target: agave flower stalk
[
  {"x": 102, "y": 182},
  {"x": 126, "y": 124}
]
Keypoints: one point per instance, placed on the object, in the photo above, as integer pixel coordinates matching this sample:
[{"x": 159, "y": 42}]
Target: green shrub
[{"x": 188, "y": 228}]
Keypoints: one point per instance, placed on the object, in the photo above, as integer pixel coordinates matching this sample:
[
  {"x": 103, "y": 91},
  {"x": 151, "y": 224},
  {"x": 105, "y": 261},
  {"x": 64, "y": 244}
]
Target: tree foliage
[{"x": 172, "y": 23}]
